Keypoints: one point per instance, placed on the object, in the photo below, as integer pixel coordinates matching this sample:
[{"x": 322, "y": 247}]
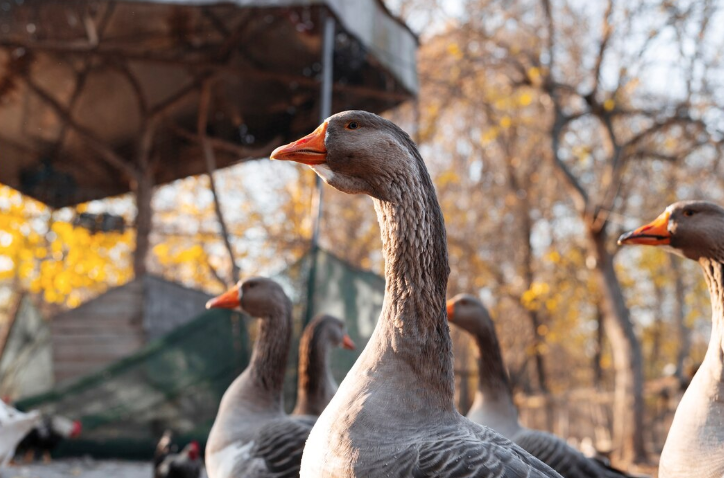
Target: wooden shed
[{"x": 118, "y": 323}]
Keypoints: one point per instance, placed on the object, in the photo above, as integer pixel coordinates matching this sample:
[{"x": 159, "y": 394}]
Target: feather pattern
[{"x": 562, "y": 457}]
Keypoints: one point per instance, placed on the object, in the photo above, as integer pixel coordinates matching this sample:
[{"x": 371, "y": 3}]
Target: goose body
[
  {"x": 493, "y": 405},
  {"x": 14, "y": 426},
  {"x": 252, "y": 437},
  {"x": 393, "y": 414},
  {"x": 695, "y": 444}
]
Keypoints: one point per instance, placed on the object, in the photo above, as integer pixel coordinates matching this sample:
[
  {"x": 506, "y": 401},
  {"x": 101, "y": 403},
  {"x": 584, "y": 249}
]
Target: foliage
[{"x": 63, "y": 263}]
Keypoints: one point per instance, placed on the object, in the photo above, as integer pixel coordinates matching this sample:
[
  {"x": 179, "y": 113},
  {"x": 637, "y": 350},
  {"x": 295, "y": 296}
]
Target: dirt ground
[{"x": 81, "y": 468}]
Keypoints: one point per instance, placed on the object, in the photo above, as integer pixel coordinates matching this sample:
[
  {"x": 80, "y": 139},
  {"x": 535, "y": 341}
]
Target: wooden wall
[
  {"x": 118, "y": 323},
  {"x": 98, "y": 332},
  {"x": 168, "y": 305}
]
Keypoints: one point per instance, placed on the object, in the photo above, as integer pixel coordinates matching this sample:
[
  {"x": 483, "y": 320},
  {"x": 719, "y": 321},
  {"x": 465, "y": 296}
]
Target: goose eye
[
  {"x": 688, "y": 213},
  {"x": 352, "y": 125}
]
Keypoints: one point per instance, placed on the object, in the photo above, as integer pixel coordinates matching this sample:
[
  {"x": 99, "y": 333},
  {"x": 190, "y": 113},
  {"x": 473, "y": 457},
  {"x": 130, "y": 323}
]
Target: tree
[{"x": 585, "y": 68}]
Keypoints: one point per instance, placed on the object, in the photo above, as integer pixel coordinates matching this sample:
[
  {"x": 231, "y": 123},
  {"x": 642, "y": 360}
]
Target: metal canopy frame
[
  {"x": 98, "y": 98},
  {"x": 101, "y": 97}
]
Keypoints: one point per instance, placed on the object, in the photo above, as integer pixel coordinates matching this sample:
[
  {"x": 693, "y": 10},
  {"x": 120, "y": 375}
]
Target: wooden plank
[
  {"x": 81, "y": 339},
  {"x": 106, "y": 349}
]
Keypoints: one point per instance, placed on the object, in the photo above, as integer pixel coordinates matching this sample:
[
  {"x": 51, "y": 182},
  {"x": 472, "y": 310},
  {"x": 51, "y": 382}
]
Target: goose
[
  {"x": 14, "y": 426},
  {"x": 252, "y": 437},
  {"x": 493, "y": 405},
  {"x": 694, "y": 446},
  {"x": 186, "y": 464},
  {"x": 316, "y": 385},
  {"x": 394, "y": 413}
]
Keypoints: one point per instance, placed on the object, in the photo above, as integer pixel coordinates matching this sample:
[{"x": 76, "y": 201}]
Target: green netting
[
  {"x": 341, "y": 289},
  {"x": 177, "y": 382}
]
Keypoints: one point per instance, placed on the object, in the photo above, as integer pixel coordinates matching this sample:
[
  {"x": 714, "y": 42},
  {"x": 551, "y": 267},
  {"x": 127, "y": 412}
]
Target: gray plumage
[
  {"x": 316, "y": 385},
  {"x": 252, "y": 437},
  {"x": 394, "y": 413},
  {"x": 694, "y": 447},
  {"x": 493, "y": 405}
]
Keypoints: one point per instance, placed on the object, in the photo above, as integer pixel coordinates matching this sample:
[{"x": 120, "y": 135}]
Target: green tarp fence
[{"x": 177, "y": 381}]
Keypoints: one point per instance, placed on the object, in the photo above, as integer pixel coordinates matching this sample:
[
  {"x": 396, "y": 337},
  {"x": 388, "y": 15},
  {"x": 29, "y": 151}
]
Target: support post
[{"x": 325, "y": 110}]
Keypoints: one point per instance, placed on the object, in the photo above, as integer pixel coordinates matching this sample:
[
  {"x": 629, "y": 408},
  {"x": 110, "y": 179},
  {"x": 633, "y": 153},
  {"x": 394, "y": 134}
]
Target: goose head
[
  {"x": 336, "y": 333},
  {"x": 693, "y": 229},
  {"x": 355, "y": 152},
  {"x": 257, "y": 296},
  {"x": 192, "y": 450},
  {"x": 468, "y": 312},
  {"x": 329, "y": 330}
]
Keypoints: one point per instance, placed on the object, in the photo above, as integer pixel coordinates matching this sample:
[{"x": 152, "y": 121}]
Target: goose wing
[
  {"x": 562, "y": 457},
  {"x": 279, "y": 445},
  {"x": 457, "y": 453}
]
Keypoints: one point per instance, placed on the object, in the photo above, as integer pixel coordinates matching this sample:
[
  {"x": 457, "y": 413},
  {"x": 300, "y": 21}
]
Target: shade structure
[{"x": 96, "y": 94}]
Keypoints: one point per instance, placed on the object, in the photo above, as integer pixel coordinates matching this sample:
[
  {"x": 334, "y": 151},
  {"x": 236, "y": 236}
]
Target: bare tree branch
[
  {"x": 605, "y": 37},
  {"x": 210, "y": 159},
  {"x": 105, "y": 151}
]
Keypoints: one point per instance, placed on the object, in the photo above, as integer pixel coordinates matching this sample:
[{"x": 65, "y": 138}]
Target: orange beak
[
  {"x": 347, "y": 342},
  {"x": 450, "y": 310},
  {"x": 656, "y": 233},
  {"x": 309, "y": 150},
  {"x": 227, "y": 300}
]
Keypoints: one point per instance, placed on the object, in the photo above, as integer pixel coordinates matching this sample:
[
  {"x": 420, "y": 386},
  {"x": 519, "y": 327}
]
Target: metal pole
[{"x": 325, "y": 110}]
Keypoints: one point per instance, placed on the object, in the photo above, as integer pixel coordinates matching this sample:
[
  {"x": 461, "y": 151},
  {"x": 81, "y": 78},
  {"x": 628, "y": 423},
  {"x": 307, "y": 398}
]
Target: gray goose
[
  {"x": 316, "y": 385},
  {"x": 695, "y": 444},
  {"x": 252, "y": 437},
  {"x": 394, "y": 413},
  {"x": 493, "y": 405}
]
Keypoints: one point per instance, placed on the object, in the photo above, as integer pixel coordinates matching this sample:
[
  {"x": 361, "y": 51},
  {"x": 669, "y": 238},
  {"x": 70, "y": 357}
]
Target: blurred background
[{"x": 134, "y": 138}]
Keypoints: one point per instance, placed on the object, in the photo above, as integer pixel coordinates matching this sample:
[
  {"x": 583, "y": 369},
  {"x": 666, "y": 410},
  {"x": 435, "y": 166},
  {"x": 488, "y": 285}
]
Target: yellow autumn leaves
[{"x": 62, "y": 263}]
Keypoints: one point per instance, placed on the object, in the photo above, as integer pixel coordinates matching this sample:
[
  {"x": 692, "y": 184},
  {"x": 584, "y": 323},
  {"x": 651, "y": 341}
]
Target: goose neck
[
  {"x": 714, "y": 275},
  {"x": 413, "y": 324},
  {"x": 316, "y": 386},
  {"x": 269, "y": 357},
  {"x": 493, "y": 382}
]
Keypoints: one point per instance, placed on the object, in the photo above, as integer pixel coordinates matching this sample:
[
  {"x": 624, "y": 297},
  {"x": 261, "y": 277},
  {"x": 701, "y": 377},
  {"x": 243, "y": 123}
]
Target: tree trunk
[
  {"x": 657, "y": 326},
  {"x": 597, "y": 369},
  {"x": 628, "y": 412},
  {"x": 535, "y": 322},
  {"x": 680, "y": 318},
  {"x": 143, "y": 189},
  {"x": 210, "y": 161}
]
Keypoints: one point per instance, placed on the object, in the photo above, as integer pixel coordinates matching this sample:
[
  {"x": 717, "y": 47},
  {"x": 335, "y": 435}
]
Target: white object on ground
[{"x": 14, "y": 425}]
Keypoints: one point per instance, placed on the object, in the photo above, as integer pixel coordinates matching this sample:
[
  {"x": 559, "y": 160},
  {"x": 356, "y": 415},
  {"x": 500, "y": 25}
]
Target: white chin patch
[{"x": 323, "y": 171}]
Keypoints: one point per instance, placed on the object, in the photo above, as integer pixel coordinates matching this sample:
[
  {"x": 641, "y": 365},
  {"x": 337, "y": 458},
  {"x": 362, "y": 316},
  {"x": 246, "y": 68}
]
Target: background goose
[
  {"x": 493, "y": 405},
  {"x": 394, "y": 413},
  {"x": 186, "y": 464},
  {"x": 252, "y": 436},
  {"x": 316, "y": 385},
  {"x": 695, "y": 444},
  {"x": 14, "y": 425}
]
